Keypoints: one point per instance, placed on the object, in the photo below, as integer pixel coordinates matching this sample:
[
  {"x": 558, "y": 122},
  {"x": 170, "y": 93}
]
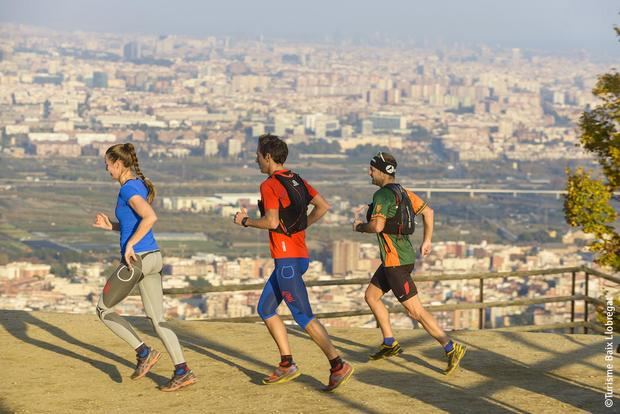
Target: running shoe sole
[
  {"x": 153, "y": 360},
  {"x": 188, "y": 382},
  {"x": 377, "y": 356},
  {"x": 283, "y": 379}
]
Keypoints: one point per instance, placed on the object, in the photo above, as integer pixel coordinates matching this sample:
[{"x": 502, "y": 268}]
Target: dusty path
[{"x": 61, "y": 363}]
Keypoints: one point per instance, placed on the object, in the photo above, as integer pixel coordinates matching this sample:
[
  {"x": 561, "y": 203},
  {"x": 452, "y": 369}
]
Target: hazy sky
[{"x": 555, "y": 25}]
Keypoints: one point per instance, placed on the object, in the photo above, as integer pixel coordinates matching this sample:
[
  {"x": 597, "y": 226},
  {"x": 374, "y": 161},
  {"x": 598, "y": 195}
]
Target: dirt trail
[{"x": 63, "y": 363}]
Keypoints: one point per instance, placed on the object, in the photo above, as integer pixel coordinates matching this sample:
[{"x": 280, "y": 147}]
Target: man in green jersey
[{"x": 390, "y": 217}]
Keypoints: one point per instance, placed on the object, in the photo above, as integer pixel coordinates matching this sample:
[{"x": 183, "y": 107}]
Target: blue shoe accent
[
  {"x": 143, "y": 351},
  {"x": 181, "y": 369},
  {"x": 388, "y": 341}
]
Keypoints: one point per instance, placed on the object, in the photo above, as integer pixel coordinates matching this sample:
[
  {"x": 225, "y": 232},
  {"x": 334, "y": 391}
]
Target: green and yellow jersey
[{"x": 396, "y": 249}]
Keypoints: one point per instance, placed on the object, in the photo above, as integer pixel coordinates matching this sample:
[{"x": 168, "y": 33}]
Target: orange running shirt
[{"x": 273, "y": 194}]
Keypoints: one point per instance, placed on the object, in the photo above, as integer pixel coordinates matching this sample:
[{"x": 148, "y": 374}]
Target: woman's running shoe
[
  {"x": 145, "y": 364},
  {"x": 179, "y": 381}
]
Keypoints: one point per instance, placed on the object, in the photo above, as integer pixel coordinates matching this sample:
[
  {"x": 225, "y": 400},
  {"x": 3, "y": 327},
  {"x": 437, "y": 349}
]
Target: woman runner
[{"x": 141, "y": 264}]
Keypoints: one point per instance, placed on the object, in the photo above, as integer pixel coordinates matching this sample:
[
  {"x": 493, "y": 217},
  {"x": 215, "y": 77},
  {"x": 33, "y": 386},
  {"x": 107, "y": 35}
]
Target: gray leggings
[{"x": 119, "y": 285}]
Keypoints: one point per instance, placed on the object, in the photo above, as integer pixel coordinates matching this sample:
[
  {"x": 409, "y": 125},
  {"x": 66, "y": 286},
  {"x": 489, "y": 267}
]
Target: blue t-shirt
[{"x": 129, "y": 220}]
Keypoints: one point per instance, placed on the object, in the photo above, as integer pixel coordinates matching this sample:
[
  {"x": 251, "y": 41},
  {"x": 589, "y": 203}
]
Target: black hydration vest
[
  {"x": 403, "y": 221},
  {"x": 293, "y": 218}
]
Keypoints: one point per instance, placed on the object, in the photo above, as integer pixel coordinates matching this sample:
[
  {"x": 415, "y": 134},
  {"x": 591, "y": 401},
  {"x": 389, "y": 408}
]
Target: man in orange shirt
[{"x": 284, "y": 204}]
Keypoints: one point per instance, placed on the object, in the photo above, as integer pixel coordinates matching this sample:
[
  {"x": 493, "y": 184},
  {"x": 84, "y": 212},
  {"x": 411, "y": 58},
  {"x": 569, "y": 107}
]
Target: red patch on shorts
[
  {"x": 106, "y": 288},
  {"x": 287, "y": 296},
  {"x": 406, "y": 285}
]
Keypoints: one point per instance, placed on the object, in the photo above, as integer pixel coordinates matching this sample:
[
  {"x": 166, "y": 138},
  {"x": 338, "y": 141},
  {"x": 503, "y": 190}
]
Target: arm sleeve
[
  {"x": 313, "y": 193},
  {"x": 128, "y": 191},
  {"x": 416, "y": 202},
  {"x": 268, "y": 196}
]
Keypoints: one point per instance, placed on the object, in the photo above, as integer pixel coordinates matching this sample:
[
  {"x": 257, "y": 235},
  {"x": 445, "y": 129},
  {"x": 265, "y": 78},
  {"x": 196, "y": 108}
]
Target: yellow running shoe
[
  {"x": 386, "y": 351},
  {"x": 454, "y": 357}
]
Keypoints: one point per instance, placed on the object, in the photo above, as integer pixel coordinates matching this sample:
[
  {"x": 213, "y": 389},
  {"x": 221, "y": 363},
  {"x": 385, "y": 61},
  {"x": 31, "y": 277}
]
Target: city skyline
[
  {"x": 461, "y": 118},
  {"x": 555, "y": 26}
]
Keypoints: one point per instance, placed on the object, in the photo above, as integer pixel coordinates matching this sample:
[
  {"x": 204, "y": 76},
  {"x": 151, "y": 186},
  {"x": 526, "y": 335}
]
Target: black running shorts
[{"x": 397, "y": 279}]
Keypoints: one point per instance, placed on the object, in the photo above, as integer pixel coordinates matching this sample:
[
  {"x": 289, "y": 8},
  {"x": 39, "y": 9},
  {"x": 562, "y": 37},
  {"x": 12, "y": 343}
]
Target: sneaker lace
[
  {"x": 173, "y": 380},
  {"x": 140, "y": 360}
]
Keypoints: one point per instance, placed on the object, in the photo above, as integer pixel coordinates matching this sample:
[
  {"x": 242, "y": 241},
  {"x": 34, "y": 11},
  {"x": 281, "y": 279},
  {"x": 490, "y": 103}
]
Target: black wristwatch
[{"x": 244, "y": 221}]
